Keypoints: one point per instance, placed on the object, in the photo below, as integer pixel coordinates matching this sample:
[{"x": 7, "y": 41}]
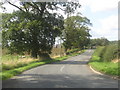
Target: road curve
[{"x": 71, "y": 73}]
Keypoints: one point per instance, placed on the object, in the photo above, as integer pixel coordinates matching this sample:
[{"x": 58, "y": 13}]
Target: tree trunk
[
  {"x": 34, "y": 54},
  {"x": 44, "y": 56}
]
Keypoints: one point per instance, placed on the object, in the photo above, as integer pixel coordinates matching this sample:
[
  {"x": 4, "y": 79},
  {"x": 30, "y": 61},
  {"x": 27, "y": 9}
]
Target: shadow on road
[
  {"x": 61, "y": 81},
  {"x": 72, "y": 62}
]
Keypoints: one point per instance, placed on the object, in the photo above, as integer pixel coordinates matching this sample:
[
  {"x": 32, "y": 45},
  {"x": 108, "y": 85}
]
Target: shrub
[
  {"x": 109, "y": 53},
  {"x": 98, "y": 52}
]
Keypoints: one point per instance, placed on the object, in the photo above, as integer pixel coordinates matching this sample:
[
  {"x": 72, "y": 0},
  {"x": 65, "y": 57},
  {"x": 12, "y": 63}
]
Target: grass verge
[
  {"x": 108, "y": 68},
  {"x": 10, "y": 73}
]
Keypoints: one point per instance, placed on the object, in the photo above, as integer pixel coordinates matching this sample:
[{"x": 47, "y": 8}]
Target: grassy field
[
  {"x": 107, "y": 67},
  {"x": 10, "y": 70}
]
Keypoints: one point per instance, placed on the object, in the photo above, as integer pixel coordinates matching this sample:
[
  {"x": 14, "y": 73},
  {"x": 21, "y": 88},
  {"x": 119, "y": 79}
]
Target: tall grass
[
  {"x": 106, "y": 53},
  {"x": 110, "y": 53},
  {"x": 11, "y": 61},
  {"x": 98, "y": 52}
]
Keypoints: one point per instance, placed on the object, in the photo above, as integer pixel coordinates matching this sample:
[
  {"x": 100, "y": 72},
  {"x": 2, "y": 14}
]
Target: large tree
[
  {"x": 34, "y": 27},
  {"x": 76, "y": 32}
]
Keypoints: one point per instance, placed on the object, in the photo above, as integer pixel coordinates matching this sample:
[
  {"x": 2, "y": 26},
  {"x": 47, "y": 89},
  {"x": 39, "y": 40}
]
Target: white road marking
[
  {"x": 95, "y": 71},
  {"x": 62, "y": 68}
]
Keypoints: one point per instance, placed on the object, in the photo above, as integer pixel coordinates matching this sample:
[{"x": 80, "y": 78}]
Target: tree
[
  {"x": 77, "y": 32},
  {"x": 32, "y": 28}
]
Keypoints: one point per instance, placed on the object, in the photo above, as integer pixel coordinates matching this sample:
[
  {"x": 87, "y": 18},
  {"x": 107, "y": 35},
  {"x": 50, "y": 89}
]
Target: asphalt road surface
[{"x": 71, "y": 73}]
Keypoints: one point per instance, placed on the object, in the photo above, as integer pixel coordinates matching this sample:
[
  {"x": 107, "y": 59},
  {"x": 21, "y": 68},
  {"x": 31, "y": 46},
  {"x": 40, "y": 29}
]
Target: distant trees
[
  {"x": 99, "y": 42},
  {"x": 76, "y": 32}
]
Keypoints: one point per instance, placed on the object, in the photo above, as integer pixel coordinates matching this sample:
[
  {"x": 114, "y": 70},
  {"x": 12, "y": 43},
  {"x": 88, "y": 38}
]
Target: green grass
[
  {"x": 15, "y": 71},
  {"x": 109, "y": 68},
  {"x": 106, "y": 67}
]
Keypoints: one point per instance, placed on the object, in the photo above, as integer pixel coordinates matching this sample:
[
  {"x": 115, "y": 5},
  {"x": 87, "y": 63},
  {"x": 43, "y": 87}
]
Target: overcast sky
[{"x": 102, "y": 13}]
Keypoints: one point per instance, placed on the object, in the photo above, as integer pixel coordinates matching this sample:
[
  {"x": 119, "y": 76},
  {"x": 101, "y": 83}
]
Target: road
[{"x": 71, "y": 73}]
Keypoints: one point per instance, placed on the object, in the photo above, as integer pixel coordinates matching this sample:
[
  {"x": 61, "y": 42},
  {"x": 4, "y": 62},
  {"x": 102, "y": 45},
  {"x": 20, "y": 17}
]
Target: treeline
[
  {"x": 34, "y": 27},
  {"x": 99, "y": 42}
]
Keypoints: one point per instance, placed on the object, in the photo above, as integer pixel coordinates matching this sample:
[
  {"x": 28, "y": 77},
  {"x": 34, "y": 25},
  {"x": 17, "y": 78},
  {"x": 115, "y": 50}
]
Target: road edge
[{"x": 110, "y": 76}]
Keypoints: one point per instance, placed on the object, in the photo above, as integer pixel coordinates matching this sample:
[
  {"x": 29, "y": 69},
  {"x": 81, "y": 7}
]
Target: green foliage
[
  {"x": 105, "y": 53},
  {"x": 32, "y": 29},
  {"x": 76, "y": 32},
  {"x": 97, "y": 54},
  {"x": 110, "y": 53},
  {"x": 98, "y": 51},
  {"x": 106, "y": 67},
  {"x": 99, "y": 42}
]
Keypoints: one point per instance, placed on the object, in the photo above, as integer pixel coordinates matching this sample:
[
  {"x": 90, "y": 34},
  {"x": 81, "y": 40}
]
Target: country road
[{"x": 71, "y": 73}]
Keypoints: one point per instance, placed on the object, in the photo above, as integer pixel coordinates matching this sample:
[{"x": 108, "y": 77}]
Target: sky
[{"x": 103, "y": 15}]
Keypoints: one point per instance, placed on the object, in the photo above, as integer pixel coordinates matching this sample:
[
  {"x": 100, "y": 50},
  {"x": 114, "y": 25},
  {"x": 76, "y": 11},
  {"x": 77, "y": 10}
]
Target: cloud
[
  {"x": 100, "y": 5},
  {"x": 108, "y": 29}
]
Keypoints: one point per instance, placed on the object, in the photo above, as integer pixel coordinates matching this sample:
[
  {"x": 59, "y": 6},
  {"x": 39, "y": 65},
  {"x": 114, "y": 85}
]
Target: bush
[
  {"x": 98, "y": 52},
  {"x": 109, "y": 52}
]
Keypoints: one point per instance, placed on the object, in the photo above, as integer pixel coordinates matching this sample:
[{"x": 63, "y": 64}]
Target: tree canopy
[
  {"x": 76, "y": 32},
  {"x": 34, "y": 27}
]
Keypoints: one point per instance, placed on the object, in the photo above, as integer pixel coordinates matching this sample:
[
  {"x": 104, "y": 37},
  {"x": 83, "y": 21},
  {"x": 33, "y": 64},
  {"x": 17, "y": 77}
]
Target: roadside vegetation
[
  {"x": 106, "y": 59},
  {"x": 29, "y": 35},
  {"x": 11, "y": 69}
]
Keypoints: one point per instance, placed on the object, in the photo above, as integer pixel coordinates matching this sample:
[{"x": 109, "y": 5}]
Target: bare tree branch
[
  {"x": 36, "y": 7},
  {"x": 15, "y": 6}
]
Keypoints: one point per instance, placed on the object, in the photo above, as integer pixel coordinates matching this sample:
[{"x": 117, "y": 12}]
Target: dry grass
[
  {"x": 24, "y": 60},
  {"x": 57, "y": 52},
  {"x": 10, "y": 64},
  {"x": 116, "y": 60},
  {"x": 13, "y": 61}
]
